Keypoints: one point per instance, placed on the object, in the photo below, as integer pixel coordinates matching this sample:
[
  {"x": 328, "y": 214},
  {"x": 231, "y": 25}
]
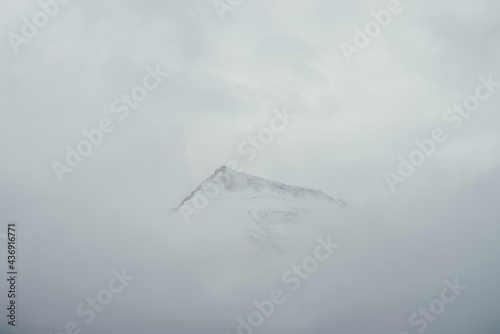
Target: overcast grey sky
[{"x": 226, "y": 80}]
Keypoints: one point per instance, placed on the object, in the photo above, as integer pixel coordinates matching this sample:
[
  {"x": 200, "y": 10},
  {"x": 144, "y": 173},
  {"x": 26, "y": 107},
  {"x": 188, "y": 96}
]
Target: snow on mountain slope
[
  {"x": 269, "y": 214},
  {"x": 244, "y": 186}
]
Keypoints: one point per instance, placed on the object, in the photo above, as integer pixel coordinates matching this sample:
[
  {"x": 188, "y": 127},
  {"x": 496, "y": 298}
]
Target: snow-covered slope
[
  {"x": 243, "y": 186},
  {"x": 270, "y": 214}
]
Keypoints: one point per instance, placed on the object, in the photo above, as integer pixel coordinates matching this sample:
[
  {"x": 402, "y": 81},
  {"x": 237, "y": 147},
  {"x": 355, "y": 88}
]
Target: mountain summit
[
  {"x": 239, "y": 185},
  {"x": 267, "y": 212}
]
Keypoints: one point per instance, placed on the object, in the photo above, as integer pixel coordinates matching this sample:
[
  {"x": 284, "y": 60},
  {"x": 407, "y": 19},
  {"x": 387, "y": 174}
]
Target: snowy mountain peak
[
  {"x": 270, "y": 214},
  {"x": 230, "y": 183}
]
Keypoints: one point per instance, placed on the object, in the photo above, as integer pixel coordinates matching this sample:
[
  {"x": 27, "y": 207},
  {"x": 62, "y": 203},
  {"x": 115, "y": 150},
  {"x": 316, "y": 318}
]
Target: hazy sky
[{"x": 226, "y": 80}]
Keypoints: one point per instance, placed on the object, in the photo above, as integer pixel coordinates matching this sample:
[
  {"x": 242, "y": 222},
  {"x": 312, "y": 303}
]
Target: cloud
[{"x": 226, "y": 78}]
